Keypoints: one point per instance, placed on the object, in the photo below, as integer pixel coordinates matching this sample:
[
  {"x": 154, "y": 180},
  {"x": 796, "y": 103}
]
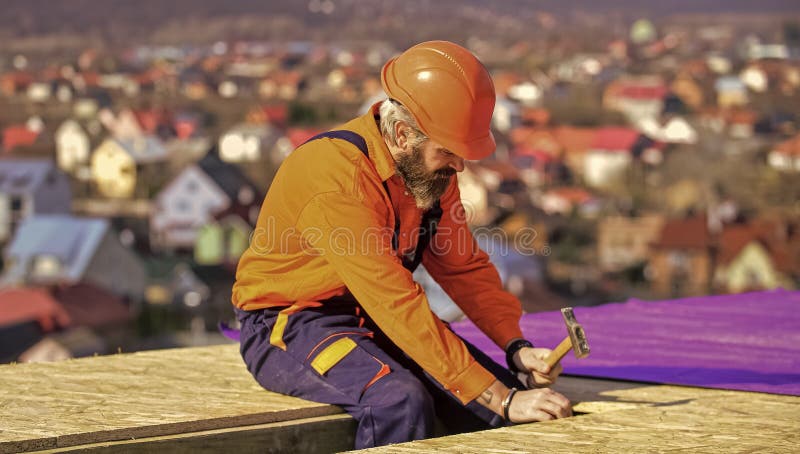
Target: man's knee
[
  {"x": 403, "y": 393},
  {"x": 398, "y": 410}
]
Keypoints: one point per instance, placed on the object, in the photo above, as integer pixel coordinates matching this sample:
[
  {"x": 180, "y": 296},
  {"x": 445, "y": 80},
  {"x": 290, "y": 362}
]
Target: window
[{"x": 192, "y": 186}]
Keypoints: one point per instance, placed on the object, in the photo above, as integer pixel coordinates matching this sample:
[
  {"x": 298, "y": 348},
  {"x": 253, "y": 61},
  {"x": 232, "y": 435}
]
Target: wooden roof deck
[
  {"x": 636, "y": 417},
  {"x": 132, "y": 396},
  {"x": 203, "y": 399}
]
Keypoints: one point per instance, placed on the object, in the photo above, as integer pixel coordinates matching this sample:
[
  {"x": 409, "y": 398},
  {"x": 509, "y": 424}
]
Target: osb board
[
  {"x": 324, "y": 434},
  {"x": 630, "y": 417},
  {"x": 147, "y": 394}
]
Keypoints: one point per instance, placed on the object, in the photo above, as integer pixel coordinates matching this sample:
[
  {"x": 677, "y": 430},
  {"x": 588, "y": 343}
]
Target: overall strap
[{"x": 430, "y": 220}]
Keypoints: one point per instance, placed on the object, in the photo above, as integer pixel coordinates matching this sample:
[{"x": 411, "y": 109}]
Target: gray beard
[{"x": 426, "y": 187}]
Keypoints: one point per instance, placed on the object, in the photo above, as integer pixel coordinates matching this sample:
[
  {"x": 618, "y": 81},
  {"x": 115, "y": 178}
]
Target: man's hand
[
  {"x": 538, "y": 405},
  {"x": 532, "y": 360}
]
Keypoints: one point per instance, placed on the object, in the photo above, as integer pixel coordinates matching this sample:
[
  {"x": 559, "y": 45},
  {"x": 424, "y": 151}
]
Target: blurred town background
[{"x": 652, "y": 147}]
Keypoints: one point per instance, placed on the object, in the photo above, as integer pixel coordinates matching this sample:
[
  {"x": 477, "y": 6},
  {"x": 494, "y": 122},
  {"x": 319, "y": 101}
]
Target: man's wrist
[{"x": 513, "y": 347}]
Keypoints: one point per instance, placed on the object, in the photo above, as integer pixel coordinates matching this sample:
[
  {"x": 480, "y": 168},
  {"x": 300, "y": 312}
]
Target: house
[
  {"x": 74, "y": 143},
  {"x": 130, "y": 124},
  {"x": 174, "y": 283},
  {"x": 186, "y": 125},
  {"x": 39, "y": 92},
  {"x": 192, "y": 199},
  {"x": 224, "y": 240},
  {"x": 749, "y": 261},
  {"x": 785, "y": 156},
  {"x": 566, "y": 200},
  {"x": 731, "y": 92},
  {"x": 671, "y": 130},
  {"x": 122, "y": 168},
  {"x": 156, "y": 122},
  {"x": 575, "y": 144},
  {"x": 273, "y": 114},
  {"x": 688, "y": 90},
  {"x": 93, "y": 307},
  {"x": 20, "y": 304},
  {"x": 681, "y": 258},
  {"x": 29, "y": 188},
  {"x": 537, "y": 153},
  {"x": 609, "y": 156},
  {"x": 60, "y": 323},
  {"x": 637, "y": 98},
  {"x": 13, "y": 83},
  {"x": 66, "y": 250},
  {"x": 741, "y": 123},
  {"x": 26, "y": 316},
  {"x": 182, "y": 152},
  {"x": 19, "y": 136},
  {"x": 623, "y": 242},
  {"x": 246, "y": 143},
  {"x": 755, "y": 78},
  {"x": 284, "y": 85}
]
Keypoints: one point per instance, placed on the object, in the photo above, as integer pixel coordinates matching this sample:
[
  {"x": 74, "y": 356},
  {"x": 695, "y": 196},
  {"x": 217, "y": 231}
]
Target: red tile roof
[
  {"x": 19, "y": 305},
  {"x": 789, "y": 147},
  {"x": 574, "y": 139},
  {"x": 615, "y": 139},
  {"x": 733, "y": 240},
  {"x": 18, "y": 135},
  {"x": 689, "y": 233},
  {"x": 642, "y": 92}
]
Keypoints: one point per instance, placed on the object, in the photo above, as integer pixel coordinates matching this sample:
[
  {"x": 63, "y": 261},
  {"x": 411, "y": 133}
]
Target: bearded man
[{"x": 325, "y": 295}]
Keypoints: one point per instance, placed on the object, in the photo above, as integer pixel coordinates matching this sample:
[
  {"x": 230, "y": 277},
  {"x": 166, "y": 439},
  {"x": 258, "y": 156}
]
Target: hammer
[{"x": 575, "y": 340}]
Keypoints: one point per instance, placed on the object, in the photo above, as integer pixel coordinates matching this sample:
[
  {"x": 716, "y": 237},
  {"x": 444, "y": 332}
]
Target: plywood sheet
[
  {"x": 136, "y": 395},
  {"x": 630, "y": 417}
]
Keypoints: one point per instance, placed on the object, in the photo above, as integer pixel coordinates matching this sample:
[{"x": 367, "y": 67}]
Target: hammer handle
[{"x": 562, "y": 349}]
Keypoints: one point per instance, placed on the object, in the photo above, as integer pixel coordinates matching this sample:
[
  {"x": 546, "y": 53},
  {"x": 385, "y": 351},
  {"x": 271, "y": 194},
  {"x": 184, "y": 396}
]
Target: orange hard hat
[{"x": 449, "y": 92}]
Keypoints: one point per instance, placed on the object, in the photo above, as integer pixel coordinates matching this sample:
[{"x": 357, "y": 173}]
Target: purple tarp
[{"x": 748, "y": 342}]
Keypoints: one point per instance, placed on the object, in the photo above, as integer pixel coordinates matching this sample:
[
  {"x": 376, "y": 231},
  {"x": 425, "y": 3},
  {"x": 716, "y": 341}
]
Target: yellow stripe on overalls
[
  {"x": 332, "y": 354},
  {"x": 276, "y": 336}
]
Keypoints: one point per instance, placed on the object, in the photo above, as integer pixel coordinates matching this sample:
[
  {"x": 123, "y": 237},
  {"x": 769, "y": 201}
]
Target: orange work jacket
[{"x": 326, "y": 227}]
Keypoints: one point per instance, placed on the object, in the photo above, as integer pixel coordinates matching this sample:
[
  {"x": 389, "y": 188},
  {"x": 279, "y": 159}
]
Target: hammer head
[{"x": 576, "y": 333}]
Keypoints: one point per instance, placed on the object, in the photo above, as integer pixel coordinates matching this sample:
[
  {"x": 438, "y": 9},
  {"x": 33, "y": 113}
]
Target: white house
[
  {"x": 637, "y": 98},
  {"x": 73, "y": 146},
  {"x": 246, "y": 142},
  {"x": 785, "y": 156},
  {"x": 192, "y": 199},
  {"x": 39, "y": 92},
  {"x": 675, "y": 130},
  {"x": 27, "y": 188},
  {"x": 609, "y": 156}
]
